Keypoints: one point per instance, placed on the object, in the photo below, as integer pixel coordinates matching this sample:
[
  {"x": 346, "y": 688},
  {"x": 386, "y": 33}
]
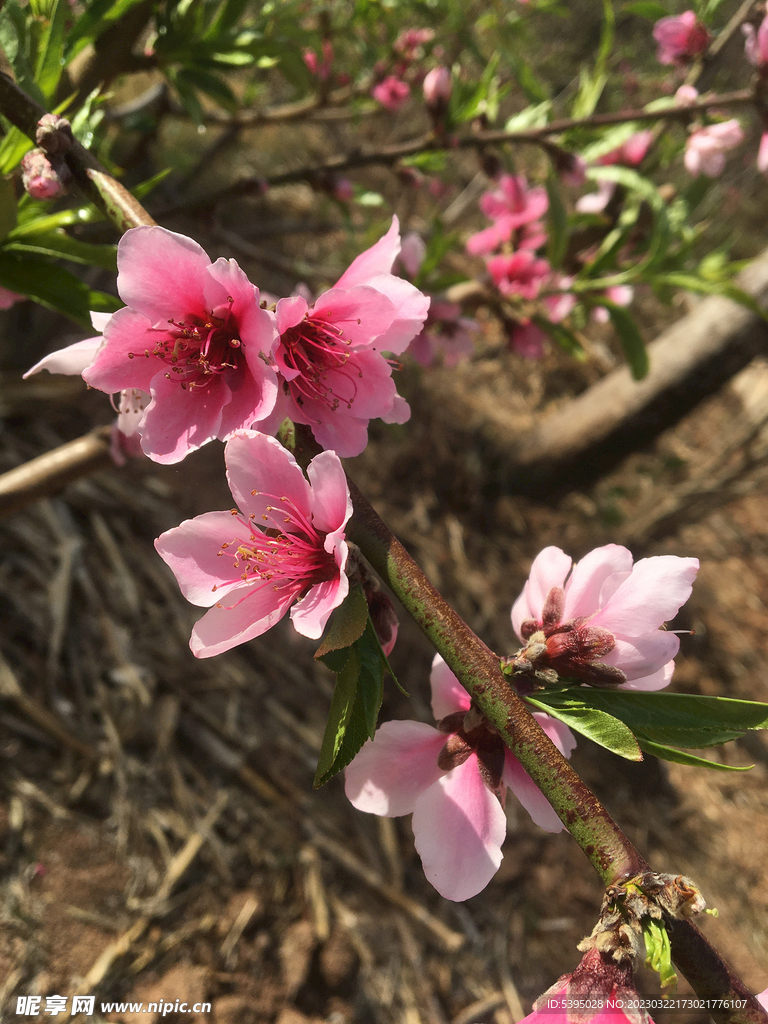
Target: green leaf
[
  {"x": 50, "y": 58},
  {"x": 630, "y": 337},
  {"x": 666, "y": 753},
  {"x": 60, "y": 244},
  {"x": 8, "y": 207},
  {"x": 51, "y": 286},
  {"x": 666, "y": 711},
  {"x": 692, "y": 283},
  {"x": 340, "y": 717},
  {"x": 532, "y": 117},
  {"x": 13, "y": 147},
  {"x": 659, "y": 951},
  {"x": 562, "y": 336},
  {"x": 598, "y": 726},
  {"x": 348, "y": 623},
  {"x": 557, "y": 223},
  {"x": 647, "y": 9},
  {"x": 97, "y": 16}
]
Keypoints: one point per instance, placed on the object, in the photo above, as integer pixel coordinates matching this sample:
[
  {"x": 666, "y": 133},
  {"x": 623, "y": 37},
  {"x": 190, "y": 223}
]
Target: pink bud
[
  {"x": 54, "y": 134},
  {"x": 437, "y": 88},
  {"x": 756, "y": 43},
  {"x": 686, "y": 95},
  {"x": 391, "y": 93},
  {"x": 41, "y": 178},
  {"x": 680, "y": 38}
]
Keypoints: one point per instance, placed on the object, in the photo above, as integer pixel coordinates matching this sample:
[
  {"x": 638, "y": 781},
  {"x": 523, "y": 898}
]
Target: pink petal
[
  {"x": 558, "y": 732},
  {"x": 582, "y": 594},
  {"x": 549, "y": 569},
  {"x": 374, "y": 261},
  {"x": 448, "y": 695},
  {"x": 412, "y": 307},
  {"x": 391, "y": 771},
  {"x": 70, "y": 360},
  {"x": 345, "y": 434},
  {"x": 161, "y": 274},
  {"x": 656, "y": 681},
  {"x": 246, "y": 612},
  {"x": 121, "y": 361},
  {"x": 361, "y": 313},
  {"x": 644, "y": 655},
  {"x": 310, "y": 615},
  {"x": 249, "y": 399},
  {"x": 458, "y": 828},
  {"x": 653, "y": 594},
  {"x": 762, "y": 998},
  {"x": 180, "y": 421},
  {"x": 192, "y": 551},
  {"x": 290, "y": 312},
  {"x": 399, "y": 413},
  {"x": 256, "y": 462},
  {"x": 100, "y": 320},
  {"x": 331, "y": 503},
  {"x": 529, "y": 795}
]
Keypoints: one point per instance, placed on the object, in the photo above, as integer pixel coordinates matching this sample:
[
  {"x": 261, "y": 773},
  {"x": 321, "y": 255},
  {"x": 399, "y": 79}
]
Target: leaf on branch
[
  {"x": 347, "y": 625},
  {"x": 53, "y": 287},
  {"x": 631, "y": 340},
  {"x": 356, "y": 700},
  {"x": 597, "y": 726}
]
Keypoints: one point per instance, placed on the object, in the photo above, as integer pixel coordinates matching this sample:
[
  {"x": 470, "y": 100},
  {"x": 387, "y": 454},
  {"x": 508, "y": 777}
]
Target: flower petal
[
  {"x": 653, "y": 594},
  {"x": 246, "y": 612},
  {"x": 582, "y": 594},
  {"x": 70, "y": 360},
  {"x": 256, "y": 462},
  {"x": 331, "y": 503},
  {"x": 529, "y": 794},
  {"x": 392, "y": 770},
  {"x": 448, "y": 695},
  {"x": 642, "y": 656},
  {"x": 179, "y": 421},
  {"x": 458, "y": 828},
  {"x": 549, "y": 569},
  {"x": 656, "y": 681},
  {"x": 311, "y": 613},
  {"x": 376, "y": 260},
  {"x": 161, "y": 274},
  {"x": 192, "y": 550},
  {"x": 121, "y": 361}
]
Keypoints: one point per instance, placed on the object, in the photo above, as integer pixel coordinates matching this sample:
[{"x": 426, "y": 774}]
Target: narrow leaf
[
  {"x": 348, "y": 623},
  {"x": 631, "y": 339},
  {"x": 339, "y": 718},
  {"x": 597, "y": 726},
  {"x": 683, "y": 757}
]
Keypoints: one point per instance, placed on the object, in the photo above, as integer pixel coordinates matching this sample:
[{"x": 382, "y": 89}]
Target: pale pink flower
[
  {"x": 686, "y": 95},
  {"x": 409, "y": 44},
  {"x": 629, "y": 153},
  {"x": 762, "y": 154},
  {"x": 453, "y": 779},
  {"x": 192, "y": 335},
  {"x": 706, "y": 148},
  {"x": 129, "y": 404},
  {"x": 447, "y": 335},
  {"x": 756, "y": 43},
  {"x": 413, "y": 249},
  {"x": 600, "y": 620},
  {"x": 321, "y": 68},
  {"x": 284, "y": 548},
  {"x": 620, "y": 295},
  {"x": 510, "y": 206},
  {"x": 596, "y": 202},
  {"x": 330, "y": 354},
  {"x": 437, "y": 88},
  {"x": 527, "y": 339},
  {"x": 762, "y": 998},
  {"x": 391, "y": 93},
  {"x": 680, "y": 38},
  {"x": 576, "y": 998},
  {"x": 520, "y": 273}
]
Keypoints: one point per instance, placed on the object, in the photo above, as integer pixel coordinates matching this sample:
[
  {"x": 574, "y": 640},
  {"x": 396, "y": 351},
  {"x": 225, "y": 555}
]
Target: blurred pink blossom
[
  {"x": 447, "y": 335},
  {"x": 437, "y": 88},
  {"x": 600, "y": 620},
  {"x": 762, "y": 154},
  {"x": 329, "y": 354},
  {"x": 686, "y": 95},
  {"x": 392, "y": 93},
  {"x": 282, "y": 547},
  {"x": 680, "y": 38},
  {"x": 620, "y": 295},
  {"x": 453, "y": 779},
  {"x": 510, "y": 206},
  {"x": 320, "y": 67},
  {"x": 520, "y": 273},
  {"x": 629, "y": 153},
  {"x": 706, "y": 148},
  {"x": 527, "y": 339},
  {"x": 8, "y": 298},
  {"x": 596, "y": 202},
  {"x": 756, "y": 43},
  {"x": 409, "y": 44}
]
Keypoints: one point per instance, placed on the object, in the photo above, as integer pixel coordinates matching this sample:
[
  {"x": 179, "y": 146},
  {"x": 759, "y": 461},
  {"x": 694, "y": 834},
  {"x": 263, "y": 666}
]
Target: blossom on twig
[
  {"x": 706, "y": 148},
  {"x": 600, "y": 620},
  {"x": 680, "y": 38},
  {"x": 282, "y": 547},
  {"x": 453, "y": 779}
]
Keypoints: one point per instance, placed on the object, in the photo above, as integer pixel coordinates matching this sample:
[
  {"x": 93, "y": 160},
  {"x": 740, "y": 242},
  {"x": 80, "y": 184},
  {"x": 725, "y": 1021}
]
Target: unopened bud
[
  {"x": 42, "y": 177},
  {"x": 437, "y": 89},
  {"x": 54, "y": 134}
]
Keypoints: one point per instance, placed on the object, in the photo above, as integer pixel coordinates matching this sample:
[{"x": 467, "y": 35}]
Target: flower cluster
[{"x": 207, "y": 360}]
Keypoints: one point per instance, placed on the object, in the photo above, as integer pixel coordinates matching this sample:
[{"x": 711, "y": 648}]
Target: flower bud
[
  {"x": 54, "y": 134},
  {"x": 437, "y": 89},
  {"x": 44, "y": 178}
]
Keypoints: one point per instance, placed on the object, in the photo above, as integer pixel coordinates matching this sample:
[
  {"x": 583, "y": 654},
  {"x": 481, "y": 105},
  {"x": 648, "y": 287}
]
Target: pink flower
[
  {"x": 596, "y": 202},
  {"x": 335, "y": 377},
  {"x": 320, "y": 68},
  {"x": 391, "y": 93},
  {"x": 706, "y": 148},
  {"x": 620, "y": 295},
  {"x": 686, "y": 95},
  {"x": 284, "y": 547},
  {"x": 410, "y": 42},
  {"x": 599, "y": 620},
  {"x": 680, "y": 38},
  {"x": 527, "y": 340},
  {"x": 521, "y": 273},
  {"x": 192, "y": 335},
  {"x": 762, "y": 154},
  {"x": 762, "y": 998},
  {"x": 9, "y": 298},
  {"x": 453, "y": 779},
  {"x": 510, "y": 206},
  {"x": 596, "y": 980},
  {"x": 756, "y": 43},
  {"x": 447, "y": 335},
  {"x": 437, "y": 88},
  {"x": 629, "y": 153}
]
